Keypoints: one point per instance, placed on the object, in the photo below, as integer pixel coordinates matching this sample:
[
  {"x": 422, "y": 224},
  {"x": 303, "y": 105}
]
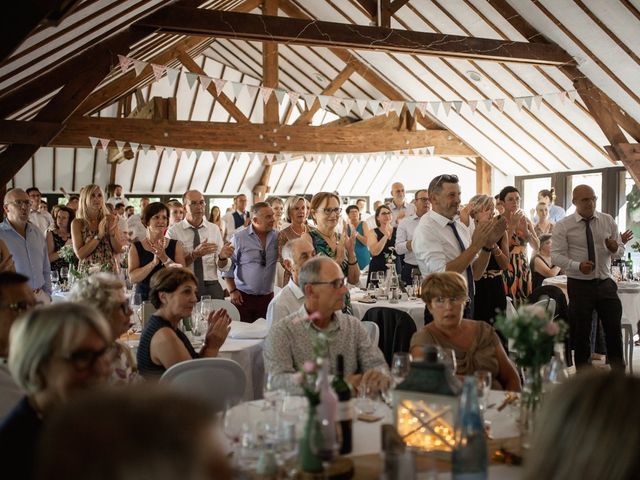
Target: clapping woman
[
  {"x": 94, "y": 232},
  {"x": 59, "y": 235},
  {"x": 381, "y": 240},
  {"x": 154, "y": 251}
]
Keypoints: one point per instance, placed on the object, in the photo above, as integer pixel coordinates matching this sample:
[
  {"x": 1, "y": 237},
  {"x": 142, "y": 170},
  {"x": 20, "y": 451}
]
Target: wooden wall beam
[
  {"x": 243, "y": 26},
  {"x": 237, "y": 138},
  {"x": 270, "y": 66},
  {"x": 483, "y": 177}
]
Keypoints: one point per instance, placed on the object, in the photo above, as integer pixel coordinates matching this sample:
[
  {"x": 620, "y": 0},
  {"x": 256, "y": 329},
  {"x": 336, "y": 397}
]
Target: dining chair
[
  {"x": 396, "y": 329},
  {"x": 215, "y": 380},
  {"x": 373, "y": 331},
  {"x": 231, "y": 309}
]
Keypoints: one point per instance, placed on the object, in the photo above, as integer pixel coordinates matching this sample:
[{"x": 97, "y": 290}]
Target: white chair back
[
  {"x": 214, "y": 380},
  {"x": 231, "y": 309},
  {"x": 373, "y": 331},
  {"x": 549, "y": 304}
]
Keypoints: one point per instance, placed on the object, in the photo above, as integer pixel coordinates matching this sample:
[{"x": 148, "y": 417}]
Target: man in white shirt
[
  {"x": 404, "y": 235},
  {"x": 117, "y": 197},
  {"x": 16, "y": 298},
  {"x": 441, "y": 242},
  {"x": 238, "y": 218},
  {"x": 137, "y": 230},
  {"x": 204, "y": 250},
  {"x": 295, "y": 254},
  {"x": 399, "y": 208},
  {"x": 583, "y": 245},
  {"x": 42, "y": 220}
]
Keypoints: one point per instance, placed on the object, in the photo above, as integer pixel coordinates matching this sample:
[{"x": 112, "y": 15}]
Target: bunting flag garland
[
  {"x": 93, "y": 141},
  {"x": 347, "y": 105},
  {"x": 120, "y": 145},
  {"x": 105, "y": 143}
]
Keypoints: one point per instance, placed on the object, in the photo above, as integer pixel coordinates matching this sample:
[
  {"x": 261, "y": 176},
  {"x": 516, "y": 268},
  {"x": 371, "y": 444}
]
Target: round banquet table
[{"x": 415, "y": 308}]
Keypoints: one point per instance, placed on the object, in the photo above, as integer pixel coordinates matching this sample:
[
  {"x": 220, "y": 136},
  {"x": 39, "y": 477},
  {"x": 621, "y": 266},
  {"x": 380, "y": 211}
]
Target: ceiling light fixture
[{"x": 473, "y": 75}]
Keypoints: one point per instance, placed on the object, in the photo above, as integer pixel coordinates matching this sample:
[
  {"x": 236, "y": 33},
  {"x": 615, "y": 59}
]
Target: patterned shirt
[{"x": 290, "y": 343}]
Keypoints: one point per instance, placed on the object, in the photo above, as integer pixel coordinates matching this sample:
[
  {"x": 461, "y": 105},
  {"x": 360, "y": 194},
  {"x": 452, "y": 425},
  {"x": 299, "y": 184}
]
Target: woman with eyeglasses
[
  {"x": 162, "y": 343},
  {"x": 105, "y": 292},
  {"x": 381, "y": 241},
  {"x": 94, "y": 232},
  {"x": 521, "y": 232},
  {"x": 475, "y": 343},
  {"x": 295, "y": 214},
  {"x": 154, "y": 252},
  {"x": 325, "y": 209},
  {"x": 55, "y": 353}
]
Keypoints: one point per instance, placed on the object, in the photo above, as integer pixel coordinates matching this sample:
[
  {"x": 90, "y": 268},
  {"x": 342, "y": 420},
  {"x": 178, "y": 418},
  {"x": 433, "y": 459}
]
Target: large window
[{"x": 529, "y": 194}]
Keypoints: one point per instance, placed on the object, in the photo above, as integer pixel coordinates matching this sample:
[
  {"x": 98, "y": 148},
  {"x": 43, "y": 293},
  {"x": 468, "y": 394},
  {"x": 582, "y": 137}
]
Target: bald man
[{"x": 583, "y": 245}]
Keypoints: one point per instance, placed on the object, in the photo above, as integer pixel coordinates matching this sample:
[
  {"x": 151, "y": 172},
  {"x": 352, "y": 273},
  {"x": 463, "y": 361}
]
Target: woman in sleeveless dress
[
  {"x": 154, "y": 252},
  {"x": 59, "y": 236},
  {"x": 541, "y": 265},
  {"x": 359, "y": 229},
  {"x": 381, "y": 241},
  {"x": 295, "y": 214}
]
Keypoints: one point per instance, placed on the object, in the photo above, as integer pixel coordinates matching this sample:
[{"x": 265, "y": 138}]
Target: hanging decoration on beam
[
  {"x": 347, "y": 104},
  {"x": 272, "y": 158}
]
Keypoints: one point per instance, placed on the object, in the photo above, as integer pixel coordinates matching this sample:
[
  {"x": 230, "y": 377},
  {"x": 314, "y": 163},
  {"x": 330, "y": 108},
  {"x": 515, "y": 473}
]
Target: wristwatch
[{"x": 97, "y": 237}]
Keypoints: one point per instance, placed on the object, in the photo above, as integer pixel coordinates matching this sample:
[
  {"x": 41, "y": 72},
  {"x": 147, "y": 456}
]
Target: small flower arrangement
[
  {"x": 68, "y": 255},
  {"x": 636, "y": 246},
  {"x": 534, "y": 334},
  {"x": 390, "y": 258}
]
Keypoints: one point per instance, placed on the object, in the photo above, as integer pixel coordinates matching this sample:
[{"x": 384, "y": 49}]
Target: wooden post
[{"x": 483, "y": 177}]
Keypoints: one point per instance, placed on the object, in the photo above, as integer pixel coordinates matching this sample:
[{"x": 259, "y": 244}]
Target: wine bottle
[
  {"x": 630, "y": 271},
  {"x": 345, "y": 407},
  {"x": 327, "y": 413},
  {"x": 469, "y": 460}
]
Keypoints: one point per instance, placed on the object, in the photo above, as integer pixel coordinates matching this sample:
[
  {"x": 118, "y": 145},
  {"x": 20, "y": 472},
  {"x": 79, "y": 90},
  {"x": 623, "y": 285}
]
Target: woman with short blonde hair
[{"x": 295, "y": 214}]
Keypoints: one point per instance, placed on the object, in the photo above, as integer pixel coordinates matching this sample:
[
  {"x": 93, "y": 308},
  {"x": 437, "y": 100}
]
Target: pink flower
[
  {"x": 551, "y": 329},
  {"x": 538, "y": 311},
  {"x": 309, "y": 366}
]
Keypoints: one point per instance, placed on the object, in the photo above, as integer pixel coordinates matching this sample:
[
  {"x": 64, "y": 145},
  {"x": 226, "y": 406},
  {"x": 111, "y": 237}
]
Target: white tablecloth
[
  {"x": 248, "y": 353},
  {"x": 415, "y": 308},
  {"x": 629, "y": 293}
]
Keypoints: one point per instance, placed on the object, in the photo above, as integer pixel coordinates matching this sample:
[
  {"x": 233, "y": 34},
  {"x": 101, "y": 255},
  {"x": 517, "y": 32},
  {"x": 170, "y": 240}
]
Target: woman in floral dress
[{"x": 94, "y": 233}]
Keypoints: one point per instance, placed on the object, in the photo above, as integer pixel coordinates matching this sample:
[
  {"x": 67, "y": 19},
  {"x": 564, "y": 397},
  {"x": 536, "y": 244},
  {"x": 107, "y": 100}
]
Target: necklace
[{"x": 304, "y": 229}]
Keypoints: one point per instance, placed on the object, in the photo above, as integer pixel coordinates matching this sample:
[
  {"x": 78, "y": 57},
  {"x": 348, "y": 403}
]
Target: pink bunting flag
[
  {"x": 158, "y": 71},
  {"x": 220, "y": 83},
  {"x": 473, "y": 105},
  {"x": 293, "y": 97},
  {"x": 266, "y": 93},
  {"x": 159, "y": 150},
  {"x": 499, "y": 104},
  {"x": 125, "y": 63},
  {"x": 563, "y": 96},
  {"x": 105, "y": 143}
]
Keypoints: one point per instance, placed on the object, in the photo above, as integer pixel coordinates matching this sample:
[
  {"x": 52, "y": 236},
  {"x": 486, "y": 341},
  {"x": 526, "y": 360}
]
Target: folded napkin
[{"x": 257, "y": 329}]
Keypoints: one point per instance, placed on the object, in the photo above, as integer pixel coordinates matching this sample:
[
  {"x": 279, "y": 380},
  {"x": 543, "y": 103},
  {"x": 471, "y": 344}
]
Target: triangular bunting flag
[
  {"x": 422, "y": 107},
  {"x": 538, "y": 101},
  {"x": 191, "y": 78},
  {"x": 237, "y": 88},
  {"x": 309, "y": 98},
  {"x": 169, "y": 151},
  {"x": 361, "y": 106},
  {"x": 204, "y": 82},
  {"x": 397, "y": 106},
  {"x": 105, "y": 143},
  {"x": 125, "y": 63},
  {"x": 293, "y": 97},
  {"x": 563, "y": 96},
  {"x": 527, "y": 101},
  {"x": 158, "y": 71},
  {"x": 411, "y": 107},
  {"x": 434, "y": 106},
  {"x": 134, "y": 146},
  {"x": 179, "y": 153},
  {"x": 172, "y": 75},
  {"x": 252, "y": 89},
  {"x": 499, "y": 104},
  {"x": 431, "y": 150},
  {"x": 348, "y": 104},
  {"x": 199, "y": 154},
  {"x": 159, "y": 150},
  {"x": 487, "y": 104},
  {"x": 473, "y": 105},
  {"x": 139, "y": 66},
  {"x": 386, "y": 106},
  {"x": 374, "y": 106},
  {"x": 266, "y": 93},
  {"x": 120, "y": 145},
  {"x": 324, "y": 101},
  {"x": 279, "y": 95},
  {"x": 220, "y": 83},
  {"x": 447, "y": 107},
  {"x": 519, "y": 102},
  {"x": 93, "y": 141},
  {"x": 457, "y": 105},
  {"x": 145, "y": 148},
  {"x": 573, "y": 95}
]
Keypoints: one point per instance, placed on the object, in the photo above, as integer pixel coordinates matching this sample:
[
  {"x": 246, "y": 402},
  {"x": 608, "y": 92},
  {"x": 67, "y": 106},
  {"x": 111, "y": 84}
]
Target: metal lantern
[{"x": 425, "y": 406}]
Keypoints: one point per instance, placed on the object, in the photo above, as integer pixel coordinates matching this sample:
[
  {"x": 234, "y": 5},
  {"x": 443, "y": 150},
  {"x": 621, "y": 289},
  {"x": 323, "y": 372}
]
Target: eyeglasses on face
[
  {"x": 337, "y": 283},
  {"x": 442, "y": 301},
  {"x": 83, "y": 360},
  {"x": 422, "y": 199},
  {"x": 329, "y": 211},
  {"x": 20, "y": 307}
]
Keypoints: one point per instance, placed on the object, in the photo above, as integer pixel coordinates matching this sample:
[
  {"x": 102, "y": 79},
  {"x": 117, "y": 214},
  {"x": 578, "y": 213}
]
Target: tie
[
  {"x": 198, "y": 270},
  {"x": 470, "y": 284},
  {"x": 591, "y": 250}
]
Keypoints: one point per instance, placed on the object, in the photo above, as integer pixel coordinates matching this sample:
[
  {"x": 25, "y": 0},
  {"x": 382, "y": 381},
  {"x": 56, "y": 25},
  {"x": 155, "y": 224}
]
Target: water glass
[
  {"x": 64, "y": 274},
  {"x": 55, "y": 279},
  {"x": 365, "y": 402},
  {"x": 483, "y": 383},
  {"x": 136, "y": 306},
  {"x": 448, "y": 357},
  {"x": 400, "y": 366}
]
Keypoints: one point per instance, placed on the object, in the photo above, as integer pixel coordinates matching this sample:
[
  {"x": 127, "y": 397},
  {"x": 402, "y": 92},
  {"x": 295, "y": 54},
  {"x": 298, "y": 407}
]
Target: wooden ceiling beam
[
  {"x": 236, "y": 138},
  {"x": 270, "y": 66},
  {"x": 225, "y": 101},
  {"x": 244, "y": 26},
  {"x": 333, "y": 87}
]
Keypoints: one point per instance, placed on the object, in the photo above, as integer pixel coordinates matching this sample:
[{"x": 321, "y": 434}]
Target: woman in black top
[
  {"x": 58, "y": 236},
  {"x": 381, "y": 240},
  {"x": 162, "y": 344},
  {"x": 154, "y": 252},
  {"x": 541, "y": 265}
]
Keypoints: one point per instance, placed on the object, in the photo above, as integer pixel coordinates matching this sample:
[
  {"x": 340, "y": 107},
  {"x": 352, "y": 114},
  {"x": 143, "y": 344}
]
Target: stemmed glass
[
  {"x": 400, "y": 366},
  {"x": 64, "y": 274},
  {"x": 483, "y": 383},
  {"x": 55, "y": 279},
  {"x": 448, "y": 357},
  {"x": 136, "y": 306}
]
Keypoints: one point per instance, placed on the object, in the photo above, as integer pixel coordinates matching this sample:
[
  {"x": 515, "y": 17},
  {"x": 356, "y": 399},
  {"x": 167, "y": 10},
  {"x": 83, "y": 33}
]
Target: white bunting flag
[
  {"x": 563, "y": 96},
  {"x": 434, "y": 106},
  {"x": 172, "y": 75},
  {"x": 237, "y": 88},
  {"x": 374, "y": 106},
  {"x": 293, "y": 97},
  {"x": 134, "y": 146},
  {"x": 105, "y": 143},
  {"x": 447, "y": 107},
  {"x": 457, "y": 105},
  {"x": 266, "y": 93},
  {"x": 422, "y": 107},
  {"x": 519, "y": 102},
  {"x": 324, "y": 101},
  {"x": 411, "y": 107},
  {"x": 198, "y": 154},
  {"x": 348, "y": 104},
  {"x": 473, "y": 105},
  {"x": 253, "y": 90},
  {"x": 361, "y": 107},
  {"x": 499, "y": 104},
  {"x": 125, "y": 63},
  {"x": 573, "y": 95},
  {"x": 120, "y": 145},
  {"x": 219, "y": 83},
  {"x": 527, "y": 102},
  {"x": 139, "y": 66},
  {"x": 431, "y": 150},
  {"x": 397, "y": 106},
  {"x": 308, "y": 99},
  {"x": 93, "y": 141},
  {"x": 145, "y": 148},
  {"x": 487, "y": 104},
  {"x": 169, "y": 151},
  {"x": 179, "y": 154},
  {"x": 159, "y": 150},
  {"x": 279, "y": 95},
  {"x": 158, "y": 71},
  {"x": 204, "y": 82},
  {"x": 386, "y": 106},
  {"x": 537, "y": 100},
  {"x": 191, "y": 78}
]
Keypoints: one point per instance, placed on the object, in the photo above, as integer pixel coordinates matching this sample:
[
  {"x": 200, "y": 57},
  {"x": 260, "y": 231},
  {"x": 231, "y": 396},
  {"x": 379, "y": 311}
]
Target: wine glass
[
  {"x": 236, "y": 418},
  {"x": 400, "y": 366},
  {"x": 55, "y": 279},
  {"x": 448, "y": 357},
  {"x": 64, "y": 274},
  {"x": 271, "y": 391},
  {"x": 136, "y": 306},
  {"x": 483, "y": 384}
]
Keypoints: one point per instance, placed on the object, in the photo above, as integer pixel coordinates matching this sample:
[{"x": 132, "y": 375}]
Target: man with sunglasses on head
[
  {"x": 442, "y": 242},
  {"x": 16, "y": 298},
  {"x": 292, "y": 341},
  {"x": 252, "y": 274},
  {"x": 404, "y": 235},
  {"x": 27, "y": 244}
]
